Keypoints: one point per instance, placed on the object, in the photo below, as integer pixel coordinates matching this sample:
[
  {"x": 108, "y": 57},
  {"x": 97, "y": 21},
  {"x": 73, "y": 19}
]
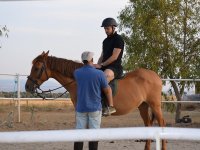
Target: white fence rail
[
  {"x": 35, "y": 99},
  {"x": 156, "y": 133},
  {"x": 194, "y": 80},
  {"x": 180, "y": 101}
]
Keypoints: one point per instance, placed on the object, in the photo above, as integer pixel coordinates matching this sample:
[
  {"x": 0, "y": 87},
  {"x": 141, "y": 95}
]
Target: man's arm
[{"x": 112, "y": 58}]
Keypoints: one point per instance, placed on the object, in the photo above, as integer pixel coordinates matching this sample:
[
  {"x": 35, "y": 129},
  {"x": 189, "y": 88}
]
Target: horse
[{"x": 138, "y": 89}]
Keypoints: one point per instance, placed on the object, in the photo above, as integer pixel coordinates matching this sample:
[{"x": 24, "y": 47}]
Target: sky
[{"x": 65, "y": 27}]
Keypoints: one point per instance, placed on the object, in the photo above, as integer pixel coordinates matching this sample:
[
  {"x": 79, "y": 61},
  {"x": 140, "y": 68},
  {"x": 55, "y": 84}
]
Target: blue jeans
[{"x": 88, "y": 120}]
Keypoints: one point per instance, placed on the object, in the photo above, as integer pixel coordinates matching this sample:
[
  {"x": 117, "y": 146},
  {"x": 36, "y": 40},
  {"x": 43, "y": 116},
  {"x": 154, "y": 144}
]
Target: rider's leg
[
  {"x": 110, "y": 76},
  {"x": 110, "y": 100}
]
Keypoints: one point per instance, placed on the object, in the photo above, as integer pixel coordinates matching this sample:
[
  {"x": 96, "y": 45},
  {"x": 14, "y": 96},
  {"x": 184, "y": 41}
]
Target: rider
[{"x": 111, "y": 55}]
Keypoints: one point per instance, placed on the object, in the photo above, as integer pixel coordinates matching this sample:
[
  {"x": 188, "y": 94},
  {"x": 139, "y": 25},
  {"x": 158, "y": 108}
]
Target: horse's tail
[{"x": 152, "y": 118}]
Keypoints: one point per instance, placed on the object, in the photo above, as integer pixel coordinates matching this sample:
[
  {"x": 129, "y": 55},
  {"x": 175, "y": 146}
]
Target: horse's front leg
[{"x": 143, "y": 108}]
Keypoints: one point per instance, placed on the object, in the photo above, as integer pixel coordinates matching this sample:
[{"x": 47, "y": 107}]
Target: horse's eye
[{"x": 36, "y": 69}]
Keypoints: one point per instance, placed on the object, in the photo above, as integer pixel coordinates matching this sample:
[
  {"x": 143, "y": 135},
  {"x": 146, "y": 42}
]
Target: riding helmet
[{"x": 109, "y": 22}]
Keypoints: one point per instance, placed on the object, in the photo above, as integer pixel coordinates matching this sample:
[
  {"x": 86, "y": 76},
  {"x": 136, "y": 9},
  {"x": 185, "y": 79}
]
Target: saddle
[{"x": 114, "y": 85}]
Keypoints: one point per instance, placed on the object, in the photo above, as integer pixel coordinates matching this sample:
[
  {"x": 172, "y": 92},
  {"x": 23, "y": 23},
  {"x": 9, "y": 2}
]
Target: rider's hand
[{"x": 97, "y": 66}]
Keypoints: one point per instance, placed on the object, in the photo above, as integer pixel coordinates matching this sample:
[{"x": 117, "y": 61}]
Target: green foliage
[
  {"x": 163, "y": 36},
  {"x": 169, "y": 107},
  {"x": 197, "y": 88}
]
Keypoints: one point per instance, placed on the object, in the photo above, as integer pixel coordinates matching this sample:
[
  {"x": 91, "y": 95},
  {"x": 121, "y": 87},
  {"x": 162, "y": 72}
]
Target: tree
[
  {"x": 197, "y": 88},
  {"x": 163, "y": 36},
  {"x": 3, "y": 31}
]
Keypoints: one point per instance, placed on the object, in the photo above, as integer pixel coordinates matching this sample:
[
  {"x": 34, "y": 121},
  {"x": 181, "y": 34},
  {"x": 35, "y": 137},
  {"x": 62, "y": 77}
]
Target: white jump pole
[
  {"x": 18, "y": 97},
  {"x": 102, "y": 135}
]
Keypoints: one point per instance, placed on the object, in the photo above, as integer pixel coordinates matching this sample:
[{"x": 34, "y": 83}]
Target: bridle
[
  {"x": 35, "y": 82},
  {"x": 43, "y": 68}
]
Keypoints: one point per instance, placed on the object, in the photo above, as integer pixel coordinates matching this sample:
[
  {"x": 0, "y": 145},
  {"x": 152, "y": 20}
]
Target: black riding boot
[
  {"x": 93, "y": 145},
  {"x": 78, "y": 145}
]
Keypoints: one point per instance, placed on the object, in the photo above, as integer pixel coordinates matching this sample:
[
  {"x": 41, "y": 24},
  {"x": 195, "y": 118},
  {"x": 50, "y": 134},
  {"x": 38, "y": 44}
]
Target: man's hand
[{"x": 97, "y": 66}]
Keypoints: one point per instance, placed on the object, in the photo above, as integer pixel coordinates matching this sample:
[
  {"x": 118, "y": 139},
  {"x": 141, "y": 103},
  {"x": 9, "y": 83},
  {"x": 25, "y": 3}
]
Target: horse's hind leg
[
  {"x": 156, "y": 108},
  {"x": 143, "y": 108}
]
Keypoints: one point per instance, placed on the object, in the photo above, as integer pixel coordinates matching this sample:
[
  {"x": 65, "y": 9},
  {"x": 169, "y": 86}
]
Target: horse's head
[{"x": 39, "y": 73}]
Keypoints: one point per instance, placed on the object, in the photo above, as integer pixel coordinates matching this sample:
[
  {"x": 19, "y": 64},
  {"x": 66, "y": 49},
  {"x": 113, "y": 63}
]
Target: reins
[{"x": 41, "y": 94}]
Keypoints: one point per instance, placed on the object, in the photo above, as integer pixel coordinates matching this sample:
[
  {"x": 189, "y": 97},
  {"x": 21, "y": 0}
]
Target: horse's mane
[
  {"x": 64, "y": 66},
  {"x": 38, "y": 58}
]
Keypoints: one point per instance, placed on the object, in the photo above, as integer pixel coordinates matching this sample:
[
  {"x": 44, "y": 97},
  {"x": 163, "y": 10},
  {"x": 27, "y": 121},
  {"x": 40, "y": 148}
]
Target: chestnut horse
[{"x": 138, "y": 89}]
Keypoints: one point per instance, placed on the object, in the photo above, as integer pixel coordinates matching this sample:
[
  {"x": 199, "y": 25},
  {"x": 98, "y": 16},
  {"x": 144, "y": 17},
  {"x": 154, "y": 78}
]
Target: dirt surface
[{"x": 55, "y": 116}]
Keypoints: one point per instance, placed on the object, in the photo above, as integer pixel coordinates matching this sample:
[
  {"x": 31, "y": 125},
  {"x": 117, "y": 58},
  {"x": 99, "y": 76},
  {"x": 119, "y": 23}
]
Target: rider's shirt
[{"x": 111, "y": 42}]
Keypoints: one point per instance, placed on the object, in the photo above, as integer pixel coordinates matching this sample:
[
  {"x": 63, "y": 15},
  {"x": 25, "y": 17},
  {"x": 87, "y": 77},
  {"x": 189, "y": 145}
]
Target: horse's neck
[
  {"x": 63, "y": 80},
  {"x": 63, "y": 66},
  {"x": 62, "y": 71},
  {"x": 68, "y": 83}
]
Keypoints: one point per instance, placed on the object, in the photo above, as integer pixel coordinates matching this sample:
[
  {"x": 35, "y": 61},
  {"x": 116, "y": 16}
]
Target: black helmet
[{"x": 109, "y": 22}]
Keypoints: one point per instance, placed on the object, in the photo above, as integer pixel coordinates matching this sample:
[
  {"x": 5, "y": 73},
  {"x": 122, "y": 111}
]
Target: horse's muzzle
[
  {"x": 31, "y": 85},
  {"x": 29, "y": 88}
]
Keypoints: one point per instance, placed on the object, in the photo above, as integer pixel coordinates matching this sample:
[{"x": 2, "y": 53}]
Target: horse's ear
[
  {"x": 43, "y": 53},
  {"x": 46, "y": 54}
]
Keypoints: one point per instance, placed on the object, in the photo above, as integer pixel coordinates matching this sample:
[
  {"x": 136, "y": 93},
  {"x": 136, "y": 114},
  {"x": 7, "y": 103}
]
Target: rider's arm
[
  {"x": 114, "y": 57},
  {"x": 100, "y": 58}
]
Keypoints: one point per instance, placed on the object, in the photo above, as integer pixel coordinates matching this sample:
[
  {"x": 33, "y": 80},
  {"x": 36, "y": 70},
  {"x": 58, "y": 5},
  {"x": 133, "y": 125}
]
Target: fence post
[
  {"x": 18, "y": 96},
  {"x": 157, "y": 136}
]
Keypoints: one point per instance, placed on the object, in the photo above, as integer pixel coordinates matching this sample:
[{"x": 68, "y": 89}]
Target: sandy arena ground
[{"x": 47, "y": 115}]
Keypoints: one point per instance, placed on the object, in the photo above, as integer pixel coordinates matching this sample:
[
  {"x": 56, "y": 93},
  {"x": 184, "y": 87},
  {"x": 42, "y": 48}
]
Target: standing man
[
  {"x": 111, "y": 55},
  {"x": 90, "y": 83}
]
